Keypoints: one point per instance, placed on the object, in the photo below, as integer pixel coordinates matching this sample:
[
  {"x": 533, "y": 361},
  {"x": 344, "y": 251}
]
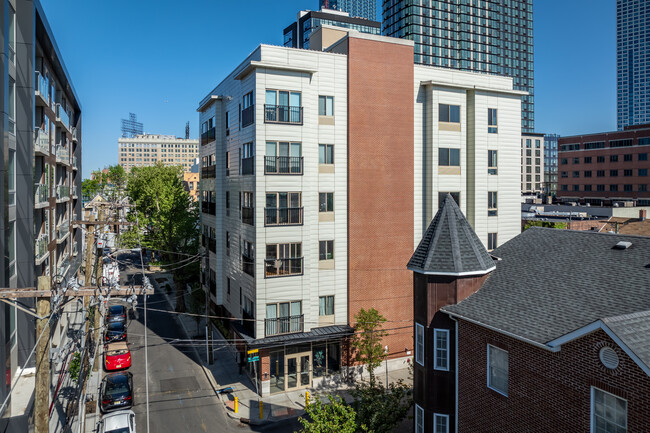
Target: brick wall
[
  {"x": 547, "y": 392},
  {"x": 380, "y": 185}
]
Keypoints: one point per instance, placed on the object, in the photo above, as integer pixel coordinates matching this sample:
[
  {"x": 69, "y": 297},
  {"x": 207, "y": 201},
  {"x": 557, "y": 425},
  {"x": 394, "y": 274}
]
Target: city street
[{"x": 181, "y": 398}]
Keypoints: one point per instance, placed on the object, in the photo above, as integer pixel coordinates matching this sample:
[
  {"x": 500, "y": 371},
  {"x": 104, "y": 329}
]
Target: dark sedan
[
  {"x": 115, "y": 331},
  {"x": 116, "y": 391},
  {"x": 116, "y": 313}
]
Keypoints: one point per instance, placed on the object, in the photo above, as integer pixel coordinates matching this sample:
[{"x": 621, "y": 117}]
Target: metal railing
[
  {"x": 42, "y": 86},
  {"x": 41, "y": 141},
  {"x": 248, "y": 116},
  {"x": 283, "y": 165},
  {"x": 284, "y": 325},
  {"x": 74, "y": 190},
  {"x": 63, "y": 266},
  {"x": 74, "y": 161},
  {"x": 62, "y": 154},
  {"x": 62, "y": 229},
  {"x": 62, "y": 191},
  {"x": 248, "y": 166},
  {"x": 40, "y": 193},
  {"x": 283, "y": 267},
  {"x": 248, "y": 215},
  {"x": 40, "y": 246},
  {"x": 282, "y": 114},
  {"x": 208, "y": 136},
  {"x": 63, "y": 115},
  {"x": 75, "y": 136},
  {"x": 209, "y": 172},
  {"x": 75, "y": 250},
  {"x": 282, "y": 216}
]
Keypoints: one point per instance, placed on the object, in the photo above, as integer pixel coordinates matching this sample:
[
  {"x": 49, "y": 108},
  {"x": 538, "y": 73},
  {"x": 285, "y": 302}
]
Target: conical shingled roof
[{"x": 450, "y": 246}]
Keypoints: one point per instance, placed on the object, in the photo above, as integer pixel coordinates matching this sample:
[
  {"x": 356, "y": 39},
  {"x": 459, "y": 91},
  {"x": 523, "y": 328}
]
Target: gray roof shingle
[
  {"x": 450, "y": 246},
  {"x": 551, "y": 282},
  {"x": 634, "y": 330}
]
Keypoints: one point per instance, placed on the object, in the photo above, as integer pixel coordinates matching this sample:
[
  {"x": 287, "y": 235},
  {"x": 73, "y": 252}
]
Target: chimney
[{"x": 642, "y": 215}]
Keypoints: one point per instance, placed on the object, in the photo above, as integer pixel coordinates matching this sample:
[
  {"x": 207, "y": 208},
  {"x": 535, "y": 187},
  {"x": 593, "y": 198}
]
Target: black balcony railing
[
  {"x": 283, "y": 165},
  {"x": 208, "y": 207},
  {"x": 248, "y": 215},
  {"x": 248, "y": 116},
  {"x": 248, "y": 166},
  {"x": 282, "y": 114},
  {"x": 248, "y": 265},
  {"x": 282, "y": 216},
  {"x": 208, "y": 136},
  {"x": 284, "y": 325},
  {"x": 283, "y": 267},
  {"x": 212, "y": 245},
  {"x": 209, "y": 171}
]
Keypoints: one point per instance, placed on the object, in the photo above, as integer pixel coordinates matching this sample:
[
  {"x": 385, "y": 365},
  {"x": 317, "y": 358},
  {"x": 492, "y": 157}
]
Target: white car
[{"x": 122, "y": 421}]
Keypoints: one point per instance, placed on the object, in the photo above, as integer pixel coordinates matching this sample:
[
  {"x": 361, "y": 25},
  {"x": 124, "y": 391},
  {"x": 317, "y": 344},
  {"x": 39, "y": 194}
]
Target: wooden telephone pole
[{"x": 42, "y": 388}]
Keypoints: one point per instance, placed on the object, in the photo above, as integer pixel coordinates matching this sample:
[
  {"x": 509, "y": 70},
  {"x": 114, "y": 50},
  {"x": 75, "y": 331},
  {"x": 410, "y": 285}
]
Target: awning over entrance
[{"x": 316, "y": 334}]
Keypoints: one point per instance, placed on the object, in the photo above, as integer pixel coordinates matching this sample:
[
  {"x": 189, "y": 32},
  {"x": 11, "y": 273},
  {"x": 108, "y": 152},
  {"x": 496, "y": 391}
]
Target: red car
[{"x": 117, "y": 356}]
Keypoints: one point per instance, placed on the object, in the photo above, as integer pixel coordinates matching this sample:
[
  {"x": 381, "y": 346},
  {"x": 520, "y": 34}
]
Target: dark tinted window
[
  {"x": 115, "y": 310},
  {"x": 116, "y": 326}
]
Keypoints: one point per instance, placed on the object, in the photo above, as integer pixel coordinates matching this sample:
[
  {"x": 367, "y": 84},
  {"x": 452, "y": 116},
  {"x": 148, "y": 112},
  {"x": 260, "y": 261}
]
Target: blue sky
[{"x": 158, "y": 59}]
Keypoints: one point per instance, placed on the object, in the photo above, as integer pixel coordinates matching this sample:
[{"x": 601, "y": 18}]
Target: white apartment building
[
  {"x": 532, "y": 164},
  {"x": 318, "y": 181},
  {"x": 147, "y": 149}
]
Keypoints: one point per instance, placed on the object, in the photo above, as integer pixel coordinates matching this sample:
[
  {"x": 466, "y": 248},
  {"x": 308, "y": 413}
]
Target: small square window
[
  {"x": 449, "y": 113},
  {"x": 325, "y": 250},
  {"x": 326, "y": 202},
  {"x": 326, "y": 154},
  {"x": 325, "y": 105},
  {"x": 440, "y": 423},
  {"x": 326, "y": 305},
  {"x": 448, "y": 157}
]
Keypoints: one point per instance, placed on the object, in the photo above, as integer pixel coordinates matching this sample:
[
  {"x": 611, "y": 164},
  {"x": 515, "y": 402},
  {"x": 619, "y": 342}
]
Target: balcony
[
  {"x": 283, "y": 267},
  {"x": 62, "y": 232},
  {"x": 283, "y": 216},
  {"x": 75, "y": 134},
  {"x": 40, "y": 249},
  {"x": 208, "y": 136},
  {"x": 63, "y": 117},
  {"x": 42, "y": 90},
  {"x": 284, "y": 325},
  {"x": 74, "y": 162},
  {"x": 40, "y": 195},
  {"x": 62, "y": 155},
  {"x": 212, "y": 245},
  {"x": 41, "y": 142},
  {"x": 75, "y": 250},
  {"x": 64, "y": 265},
  {"x": 248, "y": 166},
  {"x": 62, "y": 193},
  {"x": 283, "y": 165},
  {"x": 282, "y": 114},
  {"x": 248, "y": 215},
  {"x": 248, "y": 116},
  {"x": 209, "y": 172},
  {"x": 74, "y": 192},
  {"x": 248, "y": 265},
  {"x": 208, "y": 207}
]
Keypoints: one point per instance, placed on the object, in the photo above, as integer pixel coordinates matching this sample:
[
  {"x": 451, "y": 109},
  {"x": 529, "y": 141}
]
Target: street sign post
[
  {"x": 253, "y": 358},
  {"x": 250, "y": 352}
]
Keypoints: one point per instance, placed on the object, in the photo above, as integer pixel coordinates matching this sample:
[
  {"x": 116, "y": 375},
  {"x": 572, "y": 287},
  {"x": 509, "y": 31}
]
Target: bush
[{"x": 75, "y": 366}]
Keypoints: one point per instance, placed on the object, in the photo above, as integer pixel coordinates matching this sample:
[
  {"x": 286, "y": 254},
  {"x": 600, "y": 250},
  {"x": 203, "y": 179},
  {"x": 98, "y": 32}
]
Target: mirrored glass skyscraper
[
  {"x": 477, "y": 35},
  {"x": 356, "y": 8},
  {"x": 632, "y": 62}
]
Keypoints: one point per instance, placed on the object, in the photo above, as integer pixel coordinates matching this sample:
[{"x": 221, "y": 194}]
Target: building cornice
[{"x": 254, "y": 64}]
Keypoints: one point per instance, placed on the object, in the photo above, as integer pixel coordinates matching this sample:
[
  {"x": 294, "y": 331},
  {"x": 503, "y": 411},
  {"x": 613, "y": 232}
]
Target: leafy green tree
[
  {"x": 381, "y": 407},
  {"x": 548, "y": 224},
  {"x": 367, "y": 340},
  {"x": 335, "y": 417},
  {"x": 167, "y": 219}
]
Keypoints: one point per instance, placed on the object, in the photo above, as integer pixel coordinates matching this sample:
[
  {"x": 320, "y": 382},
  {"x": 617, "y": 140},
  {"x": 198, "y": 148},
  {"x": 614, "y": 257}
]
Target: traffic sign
[
  {"x": 253, "y": 358},
  {"x": 250, "y": 352}
]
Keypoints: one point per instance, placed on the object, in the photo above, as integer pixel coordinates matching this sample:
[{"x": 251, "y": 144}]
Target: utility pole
[
  {"x": 42, "y": 391},
  {"x": 90, "y": 243}
]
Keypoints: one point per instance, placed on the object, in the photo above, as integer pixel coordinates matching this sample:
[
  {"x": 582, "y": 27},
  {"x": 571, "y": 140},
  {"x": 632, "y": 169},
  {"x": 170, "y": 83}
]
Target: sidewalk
[{"x": 224, "y": 373}]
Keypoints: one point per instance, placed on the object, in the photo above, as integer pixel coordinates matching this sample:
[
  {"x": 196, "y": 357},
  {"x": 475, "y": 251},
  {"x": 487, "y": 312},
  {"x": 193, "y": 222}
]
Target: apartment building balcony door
[{"x": 298, "y": 373}]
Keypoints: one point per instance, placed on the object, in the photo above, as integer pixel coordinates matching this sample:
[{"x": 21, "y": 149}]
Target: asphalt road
[{"x": 181, "y": 398}]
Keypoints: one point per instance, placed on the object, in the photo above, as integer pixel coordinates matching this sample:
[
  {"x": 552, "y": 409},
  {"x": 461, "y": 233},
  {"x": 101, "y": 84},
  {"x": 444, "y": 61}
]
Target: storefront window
[
  {"x": 319, "y": 360},
  {"x": 333, "y": 358},
  {"x": 277, "y": 371}
]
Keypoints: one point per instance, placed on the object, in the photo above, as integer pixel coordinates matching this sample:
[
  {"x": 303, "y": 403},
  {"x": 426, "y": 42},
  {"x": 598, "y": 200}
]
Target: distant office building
[
  {"x": 356, "y": 8},
  {"x": 632, "y": 60},
  {"x": 550, "y": 164},
  {"x": 297, "y": 34},
  {"x": 532, "y": 163},
  {"x": 606, "y": 167},
  {"x": 147, "y": 149},
  {"x": 486, "y": 38}
]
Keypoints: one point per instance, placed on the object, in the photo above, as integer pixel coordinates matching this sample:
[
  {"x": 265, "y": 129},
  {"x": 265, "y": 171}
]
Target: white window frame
[
  {"x": 435, "y": 349},
  {"x": 489, "y": 385},
  {"x": 419, "y": 416},
  {"x": 592, "y": 415},
  {"x": 435, "y": 424},
  {"x": 419, "y": 353}
]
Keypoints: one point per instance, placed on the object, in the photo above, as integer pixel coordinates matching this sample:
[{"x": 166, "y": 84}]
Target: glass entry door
[{"x": 298, "y": 371}]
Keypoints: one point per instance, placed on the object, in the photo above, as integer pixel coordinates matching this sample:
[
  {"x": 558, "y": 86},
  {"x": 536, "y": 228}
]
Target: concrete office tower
[
  {"x": 356, "y": 8},
  {"x": 532, "y": 164},
  {"x": 550, "y": 164},
  {"x": 321, "y": 177},
  {"x": 147, "y": 149},
  {"x": 472, "y": 36},
  {"x": 298, "y": 34},
  {"x": 41, "y": 176},
  {"x": 632, "y": 59}
]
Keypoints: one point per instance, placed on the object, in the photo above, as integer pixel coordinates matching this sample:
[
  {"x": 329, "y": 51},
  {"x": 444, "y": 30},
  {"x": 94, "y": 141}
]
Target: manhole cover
[{"x": 188, "y": 383}]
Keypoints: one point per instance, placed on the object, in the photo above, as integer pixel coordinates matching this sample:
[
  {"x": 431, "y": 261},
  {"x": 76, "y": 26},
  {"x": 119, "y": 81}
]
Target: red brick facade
[
  {"x": 380, "y": 185},
  {"x": 547, "y": 392}
]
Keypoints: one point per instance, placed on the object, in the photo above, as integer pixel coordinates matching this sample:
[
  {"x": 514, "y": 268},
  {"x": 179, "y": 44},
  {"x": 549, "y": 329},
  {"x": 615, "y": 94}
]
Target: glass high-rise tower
[
  {"x": 632, "y": 62},
  {"x": 479, "y": 35},
  {"x": 356, "y": 8}
]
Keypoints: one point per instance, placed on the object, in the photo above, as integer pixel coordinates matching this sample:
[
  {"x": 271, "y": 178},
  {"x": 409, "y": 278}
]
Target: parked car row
[{"x": 116, "y": 392}]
